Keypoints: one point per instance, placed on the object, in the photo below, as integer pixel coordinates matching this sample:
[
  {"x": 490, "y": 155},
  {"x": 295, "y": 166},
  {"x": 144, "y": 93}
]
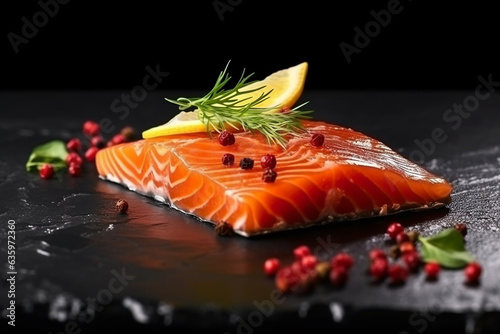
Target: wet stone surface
[{"x": 82, "y": 265}]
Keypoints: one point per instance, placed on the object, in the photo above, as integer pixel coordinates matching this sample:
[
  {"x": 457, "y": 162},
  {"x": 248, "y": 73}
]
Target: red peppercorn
[
  {"x": 342, "y": 260},
  {"x": 412, "y": 260},
  {"x": 286, "y": 280},
  {"x": 46, "y": 171},
  {"x": 75, "y": 169},
  {"x": 73, "y": 157},
  {"x": 407, "y": 247},
  {"x": 432, "y": 270},
  {"x": 397, "y": 273},
  {"x": 226, "y": 138},
  {"x": 97, "y": 141},
  {"x": 91, "y": 153},
  {"x": 394, "y": 229},
  {"x": 74, "y": 144},
  {"x": 309, "y": 262},
  {"x": 317, "y": 140},
  {"x": 246, "y": 163},
  {"x": 472, "y": 272},
  {"x": 269, "y": 175},
  {"x": 300, "y": 270},
  {"x": 91, "y": 128},
  {"x": 402, "y": 237},
  {"x": 271, "y": 266},
  {"x": 377, "y": 253},
  {"x": 118, "y": 139},
  {"x": 227, "y": 159},
  {"x": 462, "y": 228},
  {"x": 378, "y": 268},
  {"x": 121, "y": 206},
  {"x": 339, "y": 275},
  {"x": 268, "y": 161},
  {"x": 128, "y": 132},
  {"x": 301, "y": 251}
]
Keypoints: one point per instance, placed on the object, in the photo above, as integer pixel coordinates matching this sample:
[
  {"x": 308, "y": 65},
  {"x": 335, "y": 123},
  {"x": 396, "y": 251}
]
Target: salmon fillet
[{"x": 351, "y": 176}]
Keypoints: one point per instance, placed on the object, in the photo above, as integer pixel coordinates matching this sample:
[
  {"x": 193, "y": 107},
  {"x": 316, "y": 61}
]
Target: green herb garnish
[
  {"x": 53, "y": 152},
  {"x": 221, "y": 108},
  {"x": 447, "y": 248}
]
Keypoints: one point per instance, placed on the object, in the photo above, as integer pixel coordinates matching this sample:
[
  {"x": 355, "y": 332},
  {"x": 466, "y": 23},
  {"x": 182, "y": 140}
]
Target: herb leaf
[
  {"x": 447, "y": 248},
  {"x": 220, "y": 108},
  {"x": 53, "y": 152}
]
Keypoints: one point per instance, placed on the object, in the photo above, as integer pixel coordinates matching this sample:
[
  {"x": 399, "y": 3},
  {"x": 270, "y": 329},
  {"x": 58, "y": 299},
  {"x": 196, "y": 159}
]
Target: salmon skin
[{"x": 351, "y": 176}]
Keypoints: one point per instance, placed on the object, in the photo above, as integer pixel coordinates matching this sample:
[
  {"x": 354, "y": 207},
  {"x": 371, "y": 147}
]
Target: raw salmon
[{"x": 350, "y": 176}]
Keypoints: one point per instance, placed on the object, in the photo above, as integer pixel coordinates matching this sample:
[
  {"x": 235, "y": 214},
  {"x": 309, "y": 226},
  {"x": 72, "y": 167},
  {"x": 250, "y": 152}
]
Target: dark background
[{"x": 96, "y": 45}]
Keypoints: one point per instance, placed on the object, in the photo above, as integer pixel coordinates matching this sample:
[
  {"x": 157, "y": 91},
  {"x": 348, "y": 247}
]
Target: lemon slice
[
  {"x": 286, "y": 87},
  {"x": 183, "y": 122}
]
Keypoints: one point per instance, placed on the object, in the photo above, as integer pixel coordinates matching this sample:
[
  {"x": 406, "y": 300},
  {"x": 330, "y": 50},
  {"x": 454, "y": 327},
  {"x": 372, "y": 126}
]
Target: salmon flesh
[{"x": 351, "y": 176}]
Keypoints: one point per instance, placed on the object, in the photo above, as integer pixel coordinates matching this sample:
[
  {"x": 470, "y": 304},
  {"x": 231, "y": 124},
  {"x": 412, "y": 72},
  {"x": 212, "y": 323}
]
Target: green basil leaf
[
  {"x": 447, "y": 248},
  {"x": 53, "y": 152}
]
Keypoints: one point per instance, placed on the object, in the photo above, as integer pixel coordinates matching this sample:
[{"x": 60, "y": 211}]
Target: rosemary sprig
[{"x": 221, "y": 108}]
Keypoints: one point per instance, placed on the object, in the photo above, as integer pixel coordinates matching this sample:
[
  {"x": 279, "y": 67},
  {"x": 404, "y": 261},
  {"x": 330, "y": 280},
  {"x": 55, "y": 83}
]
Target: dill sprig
[{"x": 220, "y": 109}]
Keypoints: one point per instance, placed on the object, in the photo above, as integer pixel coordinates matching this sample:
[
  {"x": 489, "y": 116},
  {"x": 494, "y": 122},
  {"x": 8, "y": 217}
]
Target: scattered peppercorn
[
  {"x": 246, "y": 163},
  {"x": 378, "y": 268},
  {"x": 402, "y": 237},
  {"x": 268, "y": 161},
  {"x": 46, "y": 171},
  {"x": 75, "y": 169},
  {"x": 394, "y": 229},
  {"x": 73, "y": 157},
  {"x": 91, "y": 153},
  {"x": 118, "y": 139},
  {"x": 413, "y": 236},
  {"x": 412, "y": 260},
  {"x": 128, "y": 132},
  {"x": 317, "y": 140},
  {"x": 309, "y": 262},
  {"x": 286, "y": 280},
  {"x": 395, "y": 251},
  {"x": 271, "y": 266},
  {"x": 339, "y": 275},
  {"x": 462, "y": 228},
  {"x": 472, "y": 272},
  {"x": 432, "y": 270},
  {"x": 323, "y": 270},
  {"x": 407, "y": 247},
  {"x": 269, "y": 175},
  {"x": 74, "y": 144},
  {"x": 121, "y": 206},
  {"x": 227, "y": 159},
  {"x": 91, "y": 128},
  {"x": 342, "y": 260},
  {"x": 223, "y": 228},
  {"x": 226, "y": 138},
  {"x": 397, "y": 273},
  {"x": 377, "y": 253},
  {"x": 97, "y": 141},
  {"x": 301, "y": 251}
]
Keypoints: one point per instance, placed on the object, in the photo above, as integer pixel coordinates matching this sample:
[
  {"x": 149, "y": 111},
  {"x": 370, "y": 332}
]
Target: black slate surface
[{"x": 81, "y": 266}]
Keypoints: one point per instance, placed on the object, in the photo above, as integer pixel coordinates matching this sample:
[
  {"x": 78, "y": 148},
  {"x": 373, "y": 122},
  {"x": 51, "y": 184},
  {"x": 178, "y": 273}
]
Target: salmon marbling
[{"x": 351, "y": 176}]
